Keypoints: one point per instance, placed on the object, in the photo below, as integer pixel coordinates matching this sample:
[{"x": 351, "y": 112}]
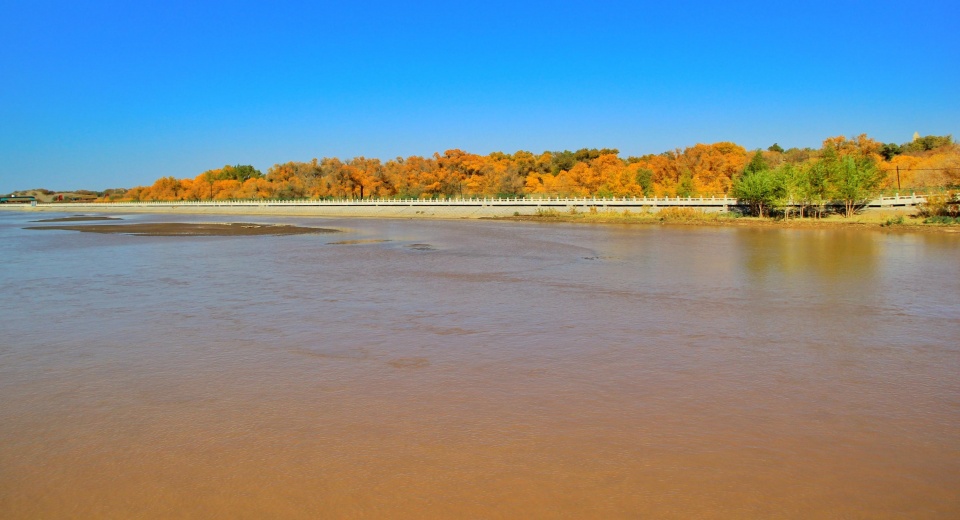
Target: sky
[{"x": 108, "y": 94}]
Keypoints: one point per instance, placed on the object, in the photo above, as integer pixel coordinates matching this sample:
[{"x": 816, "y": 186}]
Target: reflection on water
[
  {"x": 830, "y": 254},
  {"x": 474, "y": 369}
]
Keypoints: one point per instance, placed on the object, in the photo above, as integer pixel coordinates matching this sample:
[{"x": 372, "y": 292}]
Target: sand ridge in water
[
  {"x": 76, "y": 218},
  {"x": 358, "y": 242},
  {"x": 177, "y": 229}
]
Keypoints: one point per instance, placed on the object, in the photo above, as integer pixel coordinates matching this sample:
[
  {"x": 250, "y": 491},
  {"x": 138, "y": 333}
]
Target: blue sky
[{"x": 116, "y": 94}]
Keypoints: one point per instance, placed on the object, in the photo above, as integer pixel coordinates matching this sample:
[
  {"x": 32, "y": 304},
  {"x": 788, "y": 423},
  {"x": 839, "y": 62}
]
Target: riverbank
[
  {"x": 902, "y": 219},
  {"x": 892, "y": 220},
  {"x": 419, "y": 211}
]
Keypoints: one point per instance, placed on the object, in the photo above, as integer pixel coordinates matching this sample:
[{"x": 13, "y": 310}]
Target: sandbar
[
  {"x": 181, "y": 229},
  {"x": 76, "y": 218}
]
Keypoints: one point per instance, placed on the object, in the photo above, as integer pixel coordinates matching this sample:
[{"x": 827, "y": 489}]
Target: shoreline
[
  {"x": 898, "y": 219},
  {"x": 394, "y": 212},
  {"x": 872, "y": 223}
]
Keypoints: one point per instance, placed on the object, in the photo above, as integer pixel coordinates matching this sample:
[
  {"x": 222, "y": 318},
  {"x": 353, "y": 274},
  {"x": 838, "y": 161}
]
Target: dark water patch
[
  {"x": 183, "y": 229},
  {"x": 422, "y": 247},
  {"x": 358, "y": 242}
]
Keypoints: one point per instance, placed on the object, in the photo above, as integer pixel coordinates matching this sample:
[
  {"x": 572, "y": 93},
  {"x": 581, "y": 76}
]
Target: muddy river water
[{"x": 472, "y": 369}]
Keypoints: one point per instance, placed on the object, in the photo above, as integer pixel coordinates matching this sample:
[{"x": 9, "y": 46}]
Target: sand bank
[
  {"x": 76, "y": 218},
  {"x": 903, "y": 219},
  {"x": 180, "y": 229},
  {"x": 410, "y": 211}
]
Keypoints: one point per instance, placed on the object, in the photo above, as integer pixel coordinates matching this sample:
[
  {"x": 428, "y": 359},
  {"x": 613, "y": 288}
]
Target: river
[{"x": 478, "y": 369}]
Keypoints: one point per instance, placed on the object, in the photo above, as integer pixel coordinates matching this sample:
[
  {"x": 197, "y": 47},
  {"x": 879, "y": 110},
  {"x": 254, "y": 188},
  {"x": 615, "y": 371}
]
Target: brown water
[{"x": 480, "y": 370}]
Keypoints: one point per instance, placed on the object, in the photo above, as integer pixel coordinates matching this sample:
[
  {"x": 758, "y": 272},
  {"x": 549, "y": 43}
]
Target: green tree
[
  {"x": 809, "y": 188},
  {"x": 854, "y": 180},
  {"x": 759, "y": 189},
  {"x": 645, "y": 180},
  {"x": 923, "y": 144},
  {"x": 791, "y": 178},
  {"x": 890, "y": 150},
  {"x": 758, "y": 186},
  {"x": 240, "y": 172},
  {"x": 589, "y": 154},
  {"x": 562, "y": 161},
  {"x": 757, "y": 163},
  {"x": 685, "y": 187}
]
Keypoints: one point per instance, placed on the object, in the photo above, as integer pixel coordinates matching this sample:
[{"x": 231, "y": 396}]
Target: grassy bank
[{"x": 886, "y": 219}]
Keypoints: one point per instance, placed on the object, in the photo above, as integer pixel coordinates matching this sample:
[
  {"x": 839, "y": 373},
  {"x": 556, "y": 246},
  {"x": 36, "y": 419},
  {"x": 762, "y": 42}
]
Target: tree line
[{"x": 842, "y": 169}]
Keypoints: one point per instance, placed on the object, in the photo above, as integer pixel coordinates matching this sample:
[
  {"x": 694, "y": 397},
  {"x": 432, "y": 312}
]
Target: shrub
[
  {"x": 941, "y": 205},
  {"x": 943, "y": 220},
  {"x": 685, "y": 215}
]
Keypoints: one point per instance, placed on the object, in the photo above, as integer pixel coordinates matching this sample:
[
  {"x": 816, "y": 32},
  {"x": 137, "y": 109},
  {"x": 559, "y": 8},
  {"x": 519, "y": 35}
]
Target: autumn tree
[
  {"x": 798, "y": 156},
  {"x": 165, "y": 188},
  {"x": 711, "y": 168},
  {"x": 364, "y": 177},
  {"x": 810, "y": 177}
]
